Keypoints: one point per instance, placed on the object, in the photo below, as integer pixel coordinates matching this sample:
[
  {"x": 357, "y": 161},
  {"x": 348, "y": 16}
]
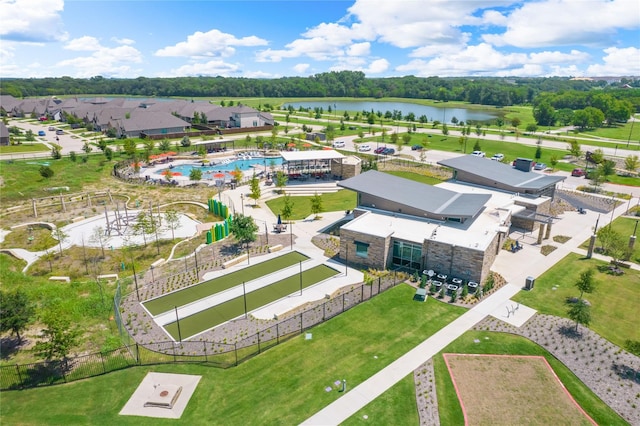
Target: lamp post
[
  {"x": 178, "y": 323},
  {"x": 242, "y": 198}
]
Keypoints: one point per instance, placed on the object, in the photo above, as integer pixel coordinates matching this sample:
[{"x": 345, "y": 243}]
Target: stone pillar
[
  {"x": 592, "y": 243},
  {"x": 89, "y": 199},
  {"x": 548, "y": 233},
  {"x": 632, "y": 242},
  {"x": 541, "y": 233}
]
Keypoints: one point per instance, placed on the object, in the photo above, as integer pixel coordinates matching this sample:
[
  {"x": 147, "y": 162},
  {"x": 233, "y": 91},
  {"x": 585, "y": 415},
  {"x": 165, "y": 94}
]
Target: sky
[{"x": 286, "y": 38}]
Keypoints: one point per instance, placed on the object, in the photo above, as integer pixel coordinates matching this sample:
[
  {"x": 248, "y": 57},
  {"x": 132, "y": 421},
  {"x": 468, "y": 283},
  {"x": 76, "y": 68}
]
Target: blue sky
[{"x": 271, "y": 39}]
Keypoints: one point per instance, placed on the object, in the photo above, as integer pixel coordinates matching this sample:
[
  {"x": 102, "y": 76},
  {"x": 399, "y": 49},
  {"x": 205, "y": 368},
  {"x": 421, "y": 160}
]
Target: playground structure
[{"x": 219, "y": 231}]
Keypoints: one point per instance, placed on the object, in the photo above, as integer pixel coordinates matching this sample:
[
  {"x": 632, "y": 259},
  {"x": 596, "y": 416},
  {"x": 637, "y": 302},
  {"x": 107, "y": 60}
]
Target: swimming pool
[{"x": 226, "y": 167}]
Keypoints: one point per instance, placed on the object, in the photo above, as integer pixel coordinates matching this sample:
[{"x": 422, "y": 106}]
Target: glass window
[
  {"x": 362, "y": 249},
  {"x": 407, "y": 254}
]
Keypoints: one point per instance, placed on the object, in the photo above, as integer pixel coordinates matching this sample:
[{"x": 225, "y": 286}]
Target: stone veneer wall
[
  {"x": 527, "y": 224},
  {"x": 456, "y": 261},
  {"x": 378, "y": 254}
]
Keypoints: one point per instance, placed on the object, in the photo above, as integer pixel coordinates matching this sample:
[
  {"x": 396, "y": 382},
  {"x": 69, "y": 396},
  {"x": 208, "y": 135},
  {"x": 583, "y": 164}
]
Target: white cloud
[
  {"x": 32, "y": 20},
  {"x": 126, "y": 41},
  {"x": 378, "y": 66},
  {"x": 301, "y": 68},
  {"x": 85, "y": 43},
  {"x": 214, "y": 68},
  {"x": 359, "y": 49},
  {"x": 211, "y": 43},
  {"x": 566, "y": 22},
  {"x": 112, "y": 62},
  {"x": 493, "y": 17},
  {"x": 617, "y": 61}
]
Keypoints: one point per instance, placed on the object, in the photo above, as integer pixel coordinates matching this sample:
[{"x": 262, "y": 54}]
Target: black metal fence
[{"x": 215, "y": 354}]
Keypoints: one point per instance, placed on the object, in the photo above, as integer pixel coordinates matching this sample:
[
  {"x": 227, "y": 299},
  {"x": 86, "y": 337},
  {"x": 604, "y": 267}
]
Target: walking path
[{"x": 573, "y": 224}]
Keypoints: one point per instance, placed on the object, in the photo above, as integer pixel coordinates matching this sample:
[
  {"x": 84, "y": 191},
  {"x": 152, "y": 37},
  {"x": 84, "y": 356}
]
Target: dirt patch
[{"x": 510, "y": 390}]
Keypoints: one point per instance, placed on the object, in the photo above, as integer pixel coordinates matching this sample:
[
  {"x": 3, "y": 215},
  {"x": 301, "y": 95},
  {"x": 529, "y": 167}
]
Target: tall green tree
[
  {"x": 586, "y": 282},
  {"x": 254, "y": 188},
  {"x": 16, "y": 312},
  {"x": 580, "y": 313},
  {"x": 244, "y": 229},
  {"x": 544, "y": 114},
  {"x": 59, "y": 335},
  {"x": 287, "y": 208}
]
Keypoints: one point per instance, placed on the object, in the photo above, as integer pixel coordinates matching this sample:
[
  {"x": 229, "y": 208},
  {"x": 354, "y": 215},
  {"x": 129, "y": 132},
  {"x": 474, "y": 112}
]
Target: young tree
[
  {"x": 586, "y": 282},
  {"x": 287, "y": 208},
  {"x": 607, "y": 168},
  {"x": 580, "y": 313},
  {"x": 141, "y": 226},
  {"x": 185, "y": 142},
  {"x": 538, "y": 154},
  {"x": 172, "y": 220},
  {"x": 164, "y": 145},
  {"x": 55, "y": 153},
  {"x": 406, "y": 139},
  {"x": 255, "y": 192},
  {"x": 553, "y": 160},
  {"x": 16, "y": 312},
  {"x": 99, "y": 237},
  {"x": 59, "y": 335},
  {"x": 316, "y": 204},
  {"x": 61, "y": 236},
  {"x": 244, "y": 229},
  {"x": 281, "y": 180},
  {"x": 531, "y": 128},
  {"x": 129, "y": 147},
  {"x": 631, "y": 163},
  {"x": 575, "y": 149}
]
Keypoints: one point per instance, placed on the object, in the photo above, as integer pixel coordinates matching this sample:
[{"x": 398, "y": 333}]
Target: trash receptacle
[{"x": 529, "y": 283}]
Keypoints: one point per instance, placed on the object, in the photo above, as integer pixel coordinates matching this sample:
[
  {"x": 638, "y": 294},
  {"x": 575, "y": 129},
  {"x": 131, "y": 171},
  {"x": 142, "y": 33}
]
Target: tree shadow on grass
[{"x": 9, "y": 345}]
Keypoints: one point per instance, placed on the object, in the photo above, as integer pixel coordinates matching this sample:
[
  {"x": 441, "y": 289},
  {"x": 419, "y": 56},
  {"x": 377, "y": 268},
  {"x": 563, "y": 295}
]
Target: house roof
[
  {"x": 502, "y": 173},
  {"x": 141, "y": 120},
  {"x": 437, "y": 201},
  {"x": 4, "y": 130}
]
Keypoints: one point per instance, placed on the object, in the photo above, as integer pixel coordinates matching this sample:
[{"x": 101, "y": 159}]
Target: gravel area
[{"x": 426, "y": 397}]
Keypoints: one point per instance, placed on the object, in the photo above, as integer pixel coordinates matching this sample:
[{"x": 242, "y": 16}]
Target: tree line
[{"x": 495, "y": 91}]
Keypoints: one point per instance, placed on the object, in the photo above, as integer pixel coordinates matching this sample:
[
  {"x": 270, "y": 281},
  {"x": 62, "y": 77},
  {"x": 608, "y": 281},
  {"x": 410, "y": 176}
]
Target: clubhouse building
[{"x": 455, "y": 228}]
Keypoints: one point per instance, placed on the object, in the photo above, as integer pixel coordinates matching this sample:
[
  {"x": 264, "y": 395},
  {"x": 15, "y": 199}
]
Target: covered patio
[{"x": 320, "y": 164}]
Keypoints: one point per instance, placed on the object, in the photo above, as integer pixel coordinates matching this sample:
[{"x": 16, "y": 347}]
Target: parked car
[
  {"x": 43, "y": 119},
  {"x": 364, "y": 148},
  {"x": 338, "y": 144},
  {"x": 578, "y": 172},
  {"x": 389, "y": 151},
  {"x": 41, "y": 133},
  {"x": 498, "y": 157},
  {"x": 478, "y": 154},
  {"x": 416, "y": 148},
  {"x": 51, "y": 128},
  {"x": 540, "y": 166},
  {"x": 379, "y": 150},
  {"x": 59, "y": 132}
]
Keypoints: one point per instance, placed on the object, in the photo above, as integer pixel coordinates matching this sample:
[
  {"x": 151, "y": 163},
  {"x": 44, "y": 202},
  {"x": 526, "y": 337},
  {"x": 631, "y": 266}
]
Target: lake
[{"x": 442, "y": 114}]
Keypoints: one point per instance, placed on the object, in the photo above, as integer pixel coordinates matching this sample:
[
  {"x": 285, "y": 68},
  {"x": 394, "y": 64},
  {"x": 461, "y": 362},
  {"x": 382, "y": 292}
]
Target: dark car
[
  {"x": 416, "y": 148},
  {"x": 578, "y": 172},
  {"x": 379, "y": 150}
]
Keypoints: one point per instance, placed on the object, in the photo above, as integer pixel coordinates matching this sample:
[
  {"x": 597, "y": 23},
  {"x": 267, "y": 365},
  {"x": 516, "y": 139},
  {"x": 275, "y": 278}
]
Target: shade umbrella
[
  {"x": 307, "y": 145},
  {"x": 291, "y": 145},
  {"x": 279, "y": 219},
  {"x": 219, "y": 176}
]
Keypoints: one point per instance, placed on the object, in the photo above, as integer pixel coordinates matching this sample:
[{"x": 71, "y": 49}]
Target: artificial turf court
[
  {"x": 216, "y": 315},
  {"x": 196, "y": 292}
]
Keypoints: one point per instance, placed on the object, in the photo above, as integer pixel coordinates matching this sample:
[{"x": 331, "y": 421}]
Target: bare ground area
[{"x": 508, "y": 390}]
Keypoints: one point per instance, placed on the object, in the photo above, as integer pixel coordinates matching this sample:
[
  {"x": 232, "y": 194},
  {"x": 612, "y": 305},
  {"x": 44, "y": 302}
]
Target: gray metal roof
[
  {"x": 500, "y": 172},
  {"x": 437, "y": 201}
]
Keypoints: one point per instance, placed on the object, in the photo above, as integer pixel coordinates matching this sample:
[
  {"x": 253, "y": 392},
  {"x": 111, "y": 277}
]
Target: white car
[
  {"x": 478, "y": 154},
  {"x": 364, "y": 148},
  {"x": 338, "y": 144},
  {"x": 497, "y": 157}
]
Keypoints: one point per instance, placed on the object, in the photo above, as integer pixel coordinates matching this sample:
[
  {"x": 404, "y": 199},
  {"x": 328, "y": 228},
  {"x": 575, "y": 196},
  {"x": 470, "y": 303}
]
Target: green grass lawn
[
  {"x": 613, "y": 305},
  {"x": 283, "y": 386},
  {"x": 216, "y": 315},
  {"x": 499, "y": 343},
  {"x": 624, "y": 226},
  {"x": 196, "y": 292},
  {"x": 344, "y": 199},
  {"x": 23, "y": 148},
  {"x": 22, "y": 178}
]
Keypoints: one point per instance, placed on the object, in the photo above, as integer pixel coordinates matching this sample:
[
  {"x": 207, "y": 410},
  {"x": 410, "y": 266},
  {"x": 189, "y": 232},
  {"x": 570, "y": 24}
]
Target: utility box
[
  {"x": 530, "y": 281},
  {"x": 524, "y": 164}
]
